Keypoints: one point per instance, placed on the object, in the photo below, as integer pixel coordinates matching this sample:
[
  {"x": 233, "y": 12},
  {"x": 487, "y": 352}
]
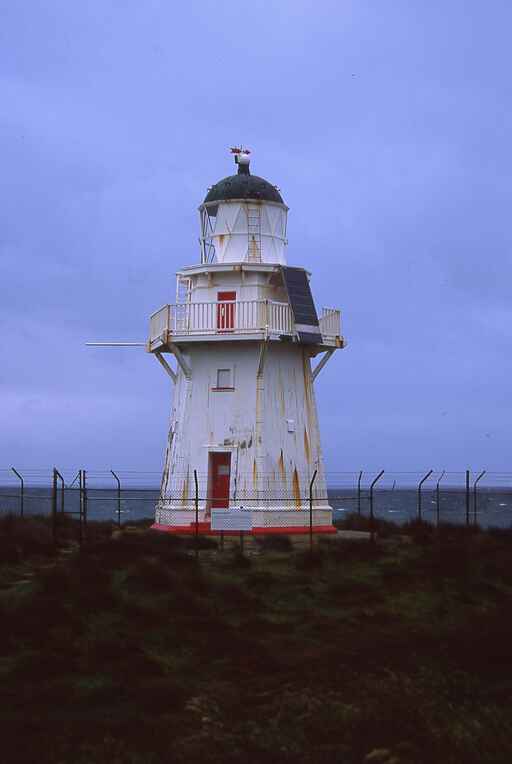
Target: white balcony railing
[
  {"x": 330, "y": 322},
  {"x": 233, "y": 317}
]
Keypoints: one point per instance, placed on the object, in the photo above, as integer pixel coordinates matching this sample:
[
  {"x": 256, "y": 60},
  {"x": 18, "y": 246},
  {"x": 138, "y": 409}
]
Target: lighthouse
[{"x": 243, "y": 344}]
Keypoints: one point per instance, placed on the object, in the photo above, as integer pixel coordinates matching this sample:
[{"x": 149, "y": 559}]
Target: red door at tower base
[
  {"x": 220, "y": 466},
  {"x": 226, "y": 311}
]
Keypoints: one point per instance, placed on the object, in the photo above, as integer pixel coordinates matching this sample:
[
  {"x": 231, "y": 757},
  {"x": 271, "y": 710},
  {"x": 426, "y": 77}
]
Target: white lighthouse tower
[{"x": 243, "y": 331}]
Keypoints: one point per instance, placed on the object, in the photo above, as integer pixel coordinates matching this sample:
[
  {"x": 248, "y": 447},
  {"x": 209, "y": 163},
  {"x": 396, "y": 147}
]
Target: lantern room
[{"x": 243, "y": 219}]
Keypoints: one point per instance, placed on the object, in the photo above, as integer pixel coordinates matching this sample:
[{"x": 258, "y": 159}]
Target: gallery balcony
[{"x": 234, "y": 320}]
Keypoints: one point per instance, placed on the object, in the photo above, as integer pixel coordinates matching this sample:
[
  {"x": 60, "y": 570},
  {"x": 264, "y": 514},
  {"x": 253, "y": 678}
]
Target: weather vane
[{"x": 239, "y": 150}]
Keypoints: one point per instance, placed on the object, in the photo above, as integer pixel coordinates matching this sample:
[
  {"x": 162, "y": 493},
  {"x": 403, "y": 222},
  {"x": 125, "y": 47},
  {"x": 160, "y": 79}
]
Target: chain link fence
[{"x": 126, "y": 496}]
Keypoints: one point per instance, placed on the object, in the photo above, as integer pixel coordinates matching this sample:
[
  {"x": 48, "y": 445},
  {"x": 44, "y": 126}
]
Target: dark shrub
[
  {"x": 146, "y": 522},
  {"x": 97, "y": 531},
  {"x": 422, "y": 533},
  {"x": 503, "y": 535},
  {"x": 309, "y": 560},
  {"x": 151, "y": 575},
  {"x": 11, "y": 550},
  {"x": 236, "y": 560},
  {"x": 202, "y": 542},
  {"x": 24, "y": 536},
  {"x": 352, "y": 521},
  {"x": 353, "y": 590},
  {"x": 236, "y": 597},
  {"x": 447, "y": 557},
  {"x": 128, "y": 547},
  {"x": 276, "y": 543},
  {"x": 83, "y": 577},
  {"x": 351, "y": 549},
  {"x": 260, "y": 580}
]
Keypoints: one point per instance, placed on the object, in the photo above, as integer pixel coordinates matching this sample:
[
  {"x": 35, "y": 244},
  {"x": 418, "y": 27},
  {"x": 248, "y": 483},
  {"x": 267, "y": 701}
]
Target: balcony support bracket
[
  {"x": 161, "y": 360},
  {"x": 320, "y": 365},
  {"x": 181, "y": 360}
]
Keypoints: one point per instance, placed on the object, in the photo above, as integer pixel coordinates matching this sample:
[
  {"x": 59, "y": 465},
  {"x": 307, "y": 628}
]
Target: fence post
[
  {"x": 359, "y": 492},
  {"x": 80, "y": 507},
  {"x": 118, "y": 498},
  {"x": 54, "y": 506},
  {"x": 84, "y": 480},
  {"x": 475, "y": 498},
  {"x": 62, "y": 484},
  {"x": 437, "y": 498},
  {"x": 196, "y": 503},
  {"x": 467, "y": 497},
  {"x": 22, "y": 490},
  {"x": 372, "y": 523},
  {"x": 419, "y": 492},
  {"x": 311, "y": 511}
]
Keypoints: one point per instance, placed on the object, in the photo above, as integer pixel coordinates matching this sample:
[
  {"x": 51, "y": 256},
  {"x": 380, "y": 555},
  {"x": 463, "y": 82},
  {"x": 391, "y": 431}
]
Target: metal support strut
[
  {"x": 181, "y": 360},
  {"x": 159, "y": 357},
  {"x": 320, "y": 365}
]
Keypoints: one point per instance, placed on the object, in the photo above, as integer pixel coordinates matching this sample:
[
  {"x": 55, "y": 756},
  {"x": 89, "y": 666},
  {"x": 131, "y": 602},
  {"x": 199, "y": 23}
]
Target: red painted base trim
[{"x": 204, "y": 529}]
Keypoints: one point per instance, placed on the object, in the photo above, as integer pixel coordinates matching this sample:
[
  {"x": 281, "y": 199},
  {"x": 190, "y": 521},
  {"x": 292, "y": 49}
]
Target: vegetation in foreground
[{"x": 396, "y": 653}]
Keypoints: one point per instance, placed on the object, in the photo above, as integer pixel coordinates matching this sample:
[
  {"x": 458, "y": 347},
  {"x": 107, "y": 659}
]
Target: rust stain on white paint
[
  {"x": 307, "y": 450},
  {"x": 296, "y": 488}
]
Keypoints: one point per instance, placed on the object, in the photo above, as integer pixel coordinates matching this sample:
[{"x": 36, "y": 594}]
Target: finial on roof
[{"x": 242, "y": 159}]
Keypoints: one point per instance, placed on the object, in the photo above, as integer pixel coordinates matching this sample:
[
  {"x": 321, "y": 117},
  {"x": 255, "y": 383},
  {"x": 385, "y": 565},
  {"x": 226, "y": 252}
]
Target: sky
[{"x": 385, "y": 123}]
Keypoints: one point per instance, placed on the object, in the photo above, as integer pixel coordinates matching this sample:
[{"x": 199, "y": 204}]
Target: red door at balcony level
[
  {"x": 226, "y": 311},
  {"x": 220, "y": 466}
]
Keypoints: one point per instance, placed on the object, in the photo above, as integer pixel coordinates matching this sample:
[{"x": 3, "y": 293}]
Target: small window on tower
[{"x": 224, "y": 378}]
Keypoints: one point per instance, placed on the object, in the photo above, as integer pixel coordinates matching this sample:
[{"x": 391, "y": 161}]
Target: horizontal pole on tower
[{"x": 115, "y": 344}]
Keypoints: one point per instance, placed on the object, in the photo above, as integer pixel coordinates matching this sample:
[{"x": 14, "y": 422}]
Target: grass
[
  {"x": 352, "y": 521},
  {"x": 397, "y": 652}
]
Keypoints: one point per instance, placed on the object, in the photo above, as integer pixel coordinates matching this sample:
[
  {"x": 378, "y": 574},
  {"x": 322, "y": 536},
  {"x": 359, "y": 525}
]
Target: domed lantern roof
[{"x": 243, "y": 185}]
